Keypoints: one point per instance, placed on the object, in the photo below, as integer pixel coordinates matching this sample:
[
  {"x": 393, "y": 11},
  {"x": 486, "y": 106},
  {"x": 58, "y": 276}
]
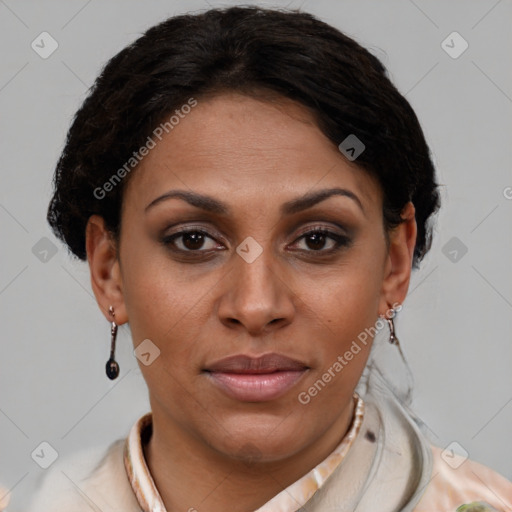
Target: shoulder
[
  {"x": 90, "y": 479},
  {"x": 457, "y": 481}
]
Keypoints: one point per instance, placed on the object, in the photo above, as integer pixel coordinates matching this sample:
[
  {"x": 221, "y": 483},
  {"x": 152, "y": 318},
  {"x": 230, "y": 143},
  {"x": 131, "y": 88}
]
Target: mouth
[{"x": 256, "y": 379}]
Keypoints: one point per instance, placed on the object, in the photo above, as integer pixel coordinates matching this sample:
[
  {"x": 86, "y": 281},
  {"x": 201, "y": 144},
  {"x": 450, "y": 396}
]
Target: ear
[
  {"x": 106, "y": 279},
  {"x": 397, "y": 275}
]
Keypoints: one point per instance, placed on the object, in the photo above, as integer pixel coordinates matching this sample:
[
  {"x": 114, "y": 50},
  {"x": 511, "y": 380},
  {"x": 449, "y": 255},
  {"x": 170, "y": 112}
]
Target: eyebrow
[{"x": 213, "y": 205}]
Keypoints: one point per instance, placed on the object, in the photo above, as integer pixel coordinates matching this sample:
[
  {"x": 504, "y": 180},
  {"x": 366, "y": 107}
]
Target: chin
[{"x": 261, "y": 439}]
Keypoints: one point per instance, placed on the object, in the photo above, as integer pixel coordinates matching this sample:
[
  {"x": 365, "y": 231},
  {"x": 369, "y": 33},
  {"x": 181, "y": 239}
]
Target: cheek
[
  {"x": 168, "y": 307},
  {"x": 160, "y": 309},
  {"x": 347, "y": 307},
  {"x": 154, "y": 289},
  {"x": 152, "y": 302},
  {"x": 349, "y": 300},
  {"x": 350, "y": 315},
  {"x": 166, "y": 314}
]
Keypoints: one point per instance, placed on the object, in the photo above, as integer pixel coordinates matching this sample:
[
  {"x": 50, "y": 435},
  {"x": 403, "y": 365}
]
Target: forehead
[{"x": 233, "y": 145}]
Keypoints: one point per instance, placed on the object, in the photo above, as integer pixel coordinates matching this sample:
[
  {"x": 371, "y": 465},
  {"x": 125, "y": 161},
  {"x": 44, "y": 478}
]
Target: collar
[{"x": 288, "y": 500}]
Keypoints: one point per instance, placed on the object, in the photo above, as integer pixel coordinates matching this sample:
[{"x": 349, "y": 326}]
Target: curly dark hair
[{"x": 241, "y": 49}]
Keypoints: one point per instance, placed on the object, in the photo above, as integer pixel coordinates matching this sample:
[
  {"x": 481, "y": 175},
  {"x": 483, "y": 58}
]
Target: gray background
[{"x": 456, "y": 324}]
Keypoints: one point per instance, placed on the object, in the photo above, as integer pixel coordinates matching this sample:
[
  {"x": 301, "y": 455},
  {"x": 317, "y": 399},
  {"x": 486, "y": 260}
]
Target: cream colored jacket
[{"x": 389, "y": 466}]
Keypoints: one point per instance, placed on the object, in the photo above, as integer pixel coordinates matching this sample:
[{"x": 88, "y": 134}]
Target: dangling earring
[
  {"x": 392, "y": 335},
  {"x": 112, "y": 367}
]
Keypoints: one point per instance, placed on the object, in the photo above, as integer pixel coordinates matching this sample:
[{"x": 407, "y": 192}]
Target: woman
[{"x": 251, "y": 193}]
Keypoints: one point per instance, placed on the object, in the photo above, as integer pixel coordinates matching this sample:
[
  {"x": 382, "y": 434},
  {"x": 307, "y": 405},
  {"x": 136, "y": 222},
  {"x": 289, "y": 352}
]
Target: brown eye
[
  {"x": 315, "y": 240},
  {"x": 193, "y": 240},
  {"x": 190, "y": 241}
]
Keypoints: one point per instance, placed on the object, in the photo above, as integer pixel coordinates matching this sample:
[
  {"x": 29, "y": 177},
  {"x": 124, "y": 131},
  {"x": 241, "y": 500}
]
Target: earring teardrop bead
[{"x": 112, "y": 369}]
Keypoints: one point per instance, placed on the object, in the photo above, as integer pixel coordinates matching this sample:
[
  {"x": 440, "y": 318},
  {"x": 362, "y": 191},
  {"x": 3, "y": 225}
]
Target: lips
[
  {"x": 267, "y": 363},
  {"x": 256, "y": 379}
]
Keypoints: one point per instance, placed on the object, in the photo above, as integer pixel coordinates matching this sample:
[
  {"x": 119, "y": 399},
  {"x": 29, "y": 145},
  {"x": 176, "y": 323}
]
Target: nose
[{"x": 256, "y": 297}]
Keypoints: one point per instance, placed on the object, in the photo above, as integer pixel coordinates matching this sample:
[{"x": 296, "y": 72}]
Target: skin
[{"x": 209, "y": 451}]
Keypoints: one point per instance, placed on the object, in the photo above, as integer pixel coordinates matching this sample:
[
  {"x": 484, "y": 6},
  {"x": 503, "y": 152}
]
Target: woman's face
[{"x": 247, "y": 305}]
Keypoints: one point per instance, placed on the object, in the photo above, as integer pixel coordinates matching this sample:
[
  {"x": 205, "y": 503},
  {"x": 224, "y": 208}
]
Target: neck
[{"x": 191, "y": 476}]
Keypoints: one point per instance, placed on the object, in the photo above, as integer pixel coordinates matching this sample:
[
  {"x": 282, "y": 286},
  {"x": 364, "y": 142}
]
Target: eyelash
[{"x": 340, "y": 240}]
